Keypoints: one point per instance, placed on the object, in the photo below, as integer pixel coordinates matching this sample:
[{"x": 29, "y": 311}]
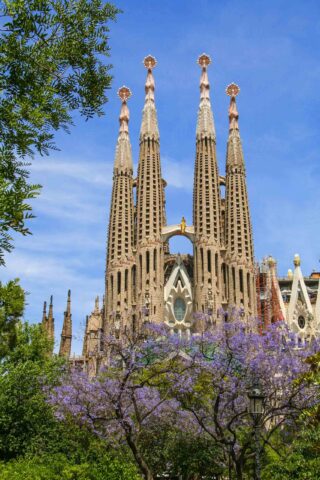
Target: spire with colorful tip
[
  {"x": 120, "y": 256},
  {"x": 238, "y": 231},
  {"x": 205, "y": 124},
  {"x": 123, "y": 157},
  {"x": 232, "y": 91},
  {"x": 149, "y": 125},
  {"x": 206, "y": 203},
  {"x": 150, "y": 207}
]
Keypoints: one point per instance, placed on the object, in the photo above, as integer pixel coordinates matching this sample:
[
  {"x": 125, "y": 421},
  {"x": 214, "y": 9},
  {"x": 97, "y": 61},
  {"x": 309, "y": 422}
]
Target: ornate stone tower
[
  {"x": 206, "y": 206},
  {"x": 66, "y": 335},
  {"x": 120, "y": 269},
  {"x": 238, "y": 234},
  {"x": 150, "y": 216}
]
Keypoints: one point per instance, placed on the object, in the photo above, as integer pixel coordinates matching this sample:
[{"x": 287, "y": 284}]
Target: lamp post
[{"x": 256, "y": 405}]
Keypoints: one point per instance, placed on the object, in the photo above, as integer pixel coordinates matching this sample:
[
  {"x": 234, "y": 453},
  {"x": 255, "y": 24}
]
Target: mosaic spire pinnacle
[
  {"x": 205, "y": 124},
  {"x": 149, "y": 125},
  {"x": 232, "y": 91},
  {"x": 123, "y": 157}
]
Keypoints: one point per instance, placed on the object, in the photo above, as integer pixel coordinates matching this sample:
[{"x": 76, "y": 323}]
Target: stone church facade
[{"x": 144, "y": 282}]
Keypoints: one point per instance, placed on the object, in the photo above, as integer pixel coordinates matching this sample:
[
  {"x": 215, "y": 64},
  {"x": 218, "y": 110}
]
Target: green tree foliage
[
  {"x": 25, "y": 417},
  {"x": 299, "y": 460},
  {"x": 53, "y": 63},
  {"x": 34, "y": 445},
  {"x": 60, "y": 467},
  {"x": 12, "y": 299}
]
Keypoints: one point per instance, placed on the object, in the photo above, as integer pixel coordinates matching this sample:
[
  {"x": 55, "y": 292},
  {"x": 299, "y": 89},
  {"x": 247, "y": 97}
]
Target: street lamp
[{"x": 256, "y": 405}]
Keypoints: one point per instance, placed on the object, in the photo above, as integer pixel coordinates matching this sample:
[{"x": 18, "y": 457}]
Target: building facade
[{"x": 144, "y": 282}]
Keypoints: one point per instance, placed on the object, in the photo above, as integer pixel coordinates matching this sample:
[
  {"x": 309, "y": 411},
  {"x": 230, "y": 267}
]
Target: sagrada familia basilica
[{"x": 145, "y": 282}]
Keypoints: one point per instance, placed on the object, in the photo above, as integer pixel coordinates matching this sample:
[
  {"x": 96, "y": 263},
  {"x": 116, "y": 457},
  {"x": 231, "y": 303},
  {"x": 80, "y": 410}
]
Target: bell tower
[
  {"x": 206, "y": 205},
  {"x": 238, "y": 231},
  {"x": 120, "y": 257},
  {"x": 150, "y": 214}
]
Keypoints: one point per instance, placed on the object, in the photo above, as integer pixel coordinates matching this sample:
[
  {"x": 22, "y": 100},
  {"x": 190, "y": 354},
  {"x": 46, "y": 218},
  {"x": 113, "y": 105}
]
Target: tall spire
[
  {"x": 66, "y": 334},
  {"x": 120, "y": 257},
  {"x": 150, "y": 216},
  {"x": 206, "y": 205},
  {"x": 238, "y": 232},
  {"x": 205, "y": 124},
  {"x": 85, "y": 338},
  {"x": 149, "y": 125}
]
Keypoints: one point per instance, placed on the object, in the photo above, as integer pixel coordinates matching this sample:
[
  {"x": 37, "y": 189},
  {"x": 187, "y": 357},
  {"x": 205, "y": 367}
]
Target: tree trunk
[
  {"x": 238, "y": 470},
  {"x": 146, "y": 472}
]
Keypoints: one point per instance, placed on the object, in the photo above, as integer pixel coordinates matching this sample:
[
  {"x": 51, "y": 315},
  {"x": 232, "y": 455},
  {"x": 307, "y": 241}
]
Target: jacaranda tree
[{"x": 199, "y": 385}]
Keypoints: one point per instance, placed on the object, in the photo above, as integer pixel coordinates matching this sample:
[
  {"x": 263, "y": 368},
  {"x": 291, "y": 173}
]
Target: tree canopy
[
  {"x": 53, "y": 63},
  {"x": 200, "y": 386}
]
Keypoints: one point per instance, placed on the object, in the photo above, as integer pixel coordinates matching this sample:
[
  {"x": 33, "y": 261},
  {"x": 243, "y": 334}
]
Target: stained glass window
[{"x": 179, "y": 309}]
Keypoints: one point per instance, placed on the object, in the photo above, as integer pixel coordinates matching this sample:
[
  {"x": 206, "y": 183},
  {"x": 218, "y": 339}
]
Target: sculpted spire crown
[
  {"x": 204, "y": 60},
  {"x": 149, "y": 126},
  {"x": 205, "y": 124},
  {"x": 149, "y": 62},
  {"x": 123, "y": 158},
  {"x": 124, "y": 93},
  {"x": 232, "y": 91}
]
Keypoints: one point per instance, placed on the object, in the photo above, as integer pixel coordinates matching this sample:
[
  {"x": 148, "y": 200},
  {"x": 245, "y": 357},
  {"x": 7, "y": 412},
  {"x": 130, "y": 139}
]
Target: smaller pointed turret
[
  {"x": 66, "y": 335},
  {"x": 44, "y": 316},
  {"x": 85, "y": 339},
  {"x": 50, "y": 320}
]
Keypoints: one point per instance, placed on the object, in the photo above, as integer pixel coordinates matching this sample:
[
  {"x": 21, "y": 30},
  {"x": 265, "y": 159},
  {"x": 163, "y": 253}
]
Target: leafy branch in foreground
[
  {"x": 53, "y": 64},
  {"x": 15, "y": 191}
]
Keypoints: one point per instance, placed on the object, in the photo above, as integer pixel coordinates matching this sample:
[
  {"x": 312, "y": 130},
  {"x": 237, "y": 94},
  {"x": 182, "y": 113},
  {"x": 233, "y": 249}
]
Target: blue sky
[{"x": 272, "y": 50}]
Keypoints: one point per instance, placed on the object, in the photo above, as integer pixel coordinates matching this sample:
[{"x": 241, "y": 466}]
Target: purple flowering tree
[
  {"x": 229, "y": 362},
  {"x": 132, "y": 393},
  {"x": 198, "y": 384}
]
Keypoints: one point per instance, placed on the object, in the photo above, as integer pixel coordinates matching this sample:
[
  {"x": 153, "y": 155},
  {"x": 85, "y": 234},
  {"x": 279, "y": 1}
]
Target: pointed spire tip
[
  {"x": 232, "y": 90},
  {"x": 149, "y": 62},
  {"x": 124, "y": 93},
  {"x": 204, "y": 60}
]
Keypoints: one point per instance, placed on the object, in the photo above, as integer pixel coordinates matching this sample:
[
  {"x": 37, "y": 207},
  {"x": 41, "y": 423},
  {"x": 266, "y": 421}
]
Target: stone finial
[
  {"x": 124, "y": 94},
  {"x": 149, "y": 125},
  {"x": 297, "y": 260},
  {"x": 204, "y": 61},
  {"x": 232, "y": 91},
  {"x": 123, "y": 156},
  {"x": 149, "y": 62},
  {"x": 271, "y": 262},
  {"x": 205, "y": 123},
  {"x": 290, "y": 274}
]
